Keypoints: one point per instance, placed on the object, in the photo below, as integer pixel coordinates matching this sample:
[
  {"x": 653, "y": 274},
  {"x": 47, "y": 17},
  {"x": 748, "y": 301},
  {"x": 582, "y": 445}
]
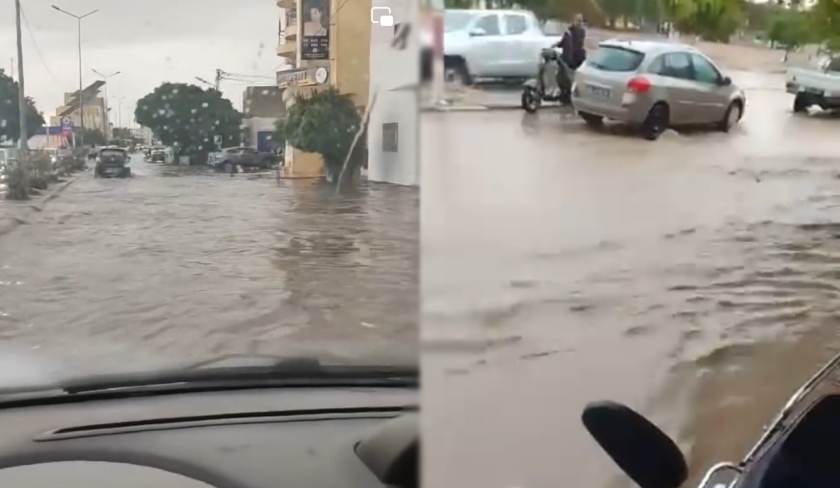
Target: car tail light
[{"x": 638, "y": 84}]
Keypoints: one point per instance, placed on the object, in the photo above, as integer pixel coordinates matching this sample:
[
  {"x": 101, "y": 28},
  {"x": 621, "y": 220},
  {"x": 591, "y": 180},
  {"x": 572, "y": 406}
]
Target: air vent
[{"x": 115, "y": 428}]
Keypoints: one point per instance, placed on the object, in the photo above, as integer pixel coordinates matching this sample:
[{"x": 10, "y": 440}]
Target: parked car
[
  {"x": 111, "y": 161},
  {"x": 818, "y": 85},
  {"x": 495, "y": 44},
  {"x": 655, "y": 85},
  {"x": 229, "y": 158}
]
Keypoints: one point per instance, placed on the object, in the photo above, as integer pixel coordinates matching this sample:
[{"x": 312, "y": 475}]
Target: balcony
[
  {"x": 286, "y": 3},
  {"x": 288, "y": 49}
]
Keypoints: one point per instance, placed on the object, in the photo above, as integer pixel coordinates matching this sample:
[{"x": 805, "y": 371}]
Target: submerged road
[
  {"x": 181, "y": 263},
  {"x": 583, "y": 265}
]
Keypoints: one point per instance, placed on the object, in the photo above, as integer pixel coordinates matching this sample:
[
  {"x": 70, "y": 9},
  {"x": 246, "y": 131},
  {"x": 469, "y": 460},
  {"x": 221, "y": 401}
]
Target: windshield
[
  {"x": 456, "y": 20},
  {"x": 304, "y": 242}
]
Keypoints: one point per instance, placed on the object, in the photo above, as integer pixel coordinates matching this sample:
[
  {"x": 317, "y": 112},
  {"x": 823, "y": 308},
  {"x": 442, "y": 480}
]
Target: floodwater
[
  {"x": 181, "y": 263},
  {"x": 696, "y": 278}
]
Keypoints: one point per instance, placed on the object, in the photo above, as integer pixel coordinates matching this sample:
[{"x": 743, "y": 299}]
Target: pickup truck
[
  {"x": 819, "y": 85},
  {"x": 492, "y": 44}
]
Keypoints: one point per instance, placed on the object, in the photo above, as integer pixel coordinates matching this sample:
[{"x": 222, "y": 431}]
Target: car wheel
[
  {"x": 656, "y": 122},
  {"x": 455, "y": 71},
  {"x": 800, "y": 104},
  {"x": 592, "y": 120},
  {"x": 731, "y": 117},
  {"x": 530, "y": 101}
]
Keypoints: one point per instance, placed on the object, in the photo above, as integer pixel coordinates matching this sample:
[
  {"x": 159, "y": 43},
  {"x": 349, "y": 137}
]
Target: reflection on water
[{"x": 181, "y": 263}]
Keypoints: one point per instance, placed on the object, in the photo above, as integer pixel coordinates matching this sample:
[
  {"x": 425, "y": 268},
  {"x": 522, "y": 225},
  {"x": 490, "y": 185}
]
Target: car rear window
[
  {"x": 612, "y": 58},
  {"x": 112, "y": 152}
]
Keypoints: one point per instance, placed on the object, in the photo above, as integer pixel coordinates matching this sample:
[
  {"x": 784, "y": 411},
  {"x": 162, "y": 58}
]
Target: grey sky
[{"x": 149, "y": 42}]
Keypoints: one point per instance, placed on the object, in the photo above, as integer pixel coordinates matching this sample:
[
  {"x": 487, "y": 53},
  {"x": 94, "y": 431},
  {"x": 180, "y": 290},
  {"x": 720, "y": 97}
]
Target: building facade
[
  {"x": 326, "y": 49},
  {"x": 394, "y": 81}
]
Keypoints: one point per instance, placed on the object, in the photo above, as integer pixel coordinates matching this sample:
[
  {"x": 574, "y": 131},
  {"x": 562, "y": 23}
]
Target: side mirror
[
  {"x": 477, "y": 32},
  {"x": 726, "y": 81},
  {"x": 639, "y": 448}
]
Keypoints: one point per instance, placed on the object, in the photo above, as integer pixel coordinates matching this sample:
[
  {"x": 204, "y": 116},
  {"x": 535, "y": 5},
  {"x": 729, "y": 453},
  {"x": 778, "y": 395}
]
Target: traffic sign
[{"x": 66, "y": 125}]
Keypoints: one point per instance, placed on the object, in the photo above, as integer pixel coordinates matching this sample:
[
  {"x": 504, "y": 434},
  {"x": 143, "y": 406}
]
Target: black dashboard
[{"x": 324, "y": 437}]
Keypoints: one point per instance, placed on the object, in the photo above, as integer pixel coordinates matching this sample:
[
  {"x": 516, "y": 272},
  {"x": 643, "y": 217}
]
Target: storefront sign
[{"x": 302, "y": 77}]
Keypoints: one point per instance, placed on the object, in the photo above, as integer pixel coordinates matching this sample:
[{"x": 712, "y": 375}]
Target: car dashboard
[{"x": 251, "y": 438}]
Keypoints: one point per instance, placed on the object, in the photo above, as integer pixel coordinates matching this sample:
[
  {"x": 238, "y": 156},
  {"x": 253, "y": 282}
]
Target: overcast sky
[{"x": 148, "y": 41}]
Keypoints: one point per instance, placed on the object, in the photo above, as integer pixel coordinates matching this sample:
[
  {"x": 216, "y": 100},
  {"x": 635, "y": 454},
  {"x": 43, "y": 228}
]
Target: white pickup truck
[
  {"x": 818, "y": 85},
  {"x": 492, "y": 44}
]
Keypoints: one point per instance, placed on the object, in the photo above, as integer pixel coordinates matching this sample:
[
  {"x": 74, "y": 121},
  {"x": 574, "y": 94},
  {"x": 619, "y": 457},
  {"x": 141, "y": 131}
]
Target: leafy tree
[
  {"x": 325, "y": 122},
  {"x": 790, "y": 29},
  {"x": 9, "y": 113},
  {"x": 189, "y": 117},
  {"x": 121, "y": 133},
  {"x": 93, "y": 137},
  {"x": 278, "y": 139},
  {"x": 826, "y": 22},
  {"x": 458, "y": 4},
  {"x": 712, "y": 20}
]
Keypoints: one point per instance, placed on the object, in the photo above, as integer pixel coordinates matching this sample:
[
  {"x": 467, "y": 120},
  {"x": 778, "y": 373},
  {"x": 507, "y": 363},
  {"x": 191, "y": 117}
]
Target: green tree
[
  {"x": 325, "y": 122},
  {"x": 790, "y": 29},
  {"x": 9, "y": 113},
  {"x": 93, "y": 137},
  {"x": 189, "y": 117},
  {"x": 712, "y": 20},
  {"x": 826, "y": 23},
  {"x": 278, "y": 139},
  {"x": 458, "y": 4}
]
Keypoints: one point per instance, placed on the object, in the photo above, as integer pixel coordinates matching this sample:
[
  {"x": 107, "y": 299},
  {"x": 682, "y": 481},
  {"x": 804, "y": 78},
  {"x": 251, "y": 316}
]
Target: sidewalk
[
  {"x": 462, "y": 99},
  {"x": 14, "y": 213}
]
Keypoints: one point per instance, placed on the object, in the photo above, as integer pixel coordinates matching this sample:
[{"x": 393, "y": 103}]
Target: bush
[{"x": 325, "y": 122}]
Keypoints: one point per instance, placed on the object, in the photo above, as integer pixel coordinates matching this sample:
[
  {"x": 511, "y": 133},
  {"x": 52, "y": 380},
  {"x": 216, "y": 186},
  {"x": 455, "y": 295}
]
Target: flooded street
[
  {"x": 562, "y": 265},
  {"x": 180, "y": 263}
]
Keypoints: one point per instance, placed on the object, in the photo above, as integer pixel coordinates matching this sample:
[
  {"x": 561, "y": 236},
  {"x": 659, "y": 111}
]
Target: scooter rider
[{"x": 574, "y": 52}]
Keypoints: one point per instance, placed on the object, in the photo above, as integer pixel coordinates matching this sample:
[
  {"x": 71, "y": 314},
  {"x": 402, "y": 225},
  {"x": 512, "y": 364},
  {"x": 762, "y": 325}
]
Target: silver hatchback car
[{"x": 655, "y": 85}]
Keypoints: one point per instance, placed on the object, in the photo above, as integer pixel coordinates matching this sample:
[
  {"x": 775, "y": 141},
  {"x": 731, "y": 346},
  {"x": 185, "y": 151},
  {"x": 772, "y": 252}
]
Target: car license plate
[{"x": 599, "y": 92}]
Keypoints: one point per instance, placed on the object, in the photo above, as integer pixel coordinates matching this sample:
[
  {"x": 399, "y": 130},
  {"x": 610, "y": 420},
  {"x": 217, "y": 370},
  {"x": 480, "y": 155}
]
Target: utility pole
[
  {"x": 23, "y": 141},
  {"x": 218, "y": 79}
]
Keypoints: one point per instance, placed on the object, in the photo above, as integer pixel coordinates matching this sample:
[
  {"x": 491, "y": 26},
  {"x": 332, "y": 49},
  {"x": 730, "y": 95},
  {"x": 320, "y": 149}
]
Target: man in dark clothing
[
  {"x": 574, "y": 54},
  {"x": 574, "y": 51}
]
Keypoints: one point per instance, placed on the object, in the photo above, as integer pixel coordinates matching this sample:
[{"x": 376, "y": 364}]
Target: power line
[{"x": 37, "y": 49}]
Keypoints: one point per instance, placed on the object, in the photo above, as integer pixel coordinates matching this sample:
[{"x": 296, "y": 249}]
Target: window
[
  {"x": 677, "y": 65},
  {"x": 613, "y": 58},
  {"x": 390, "y": 137},
  {"x": 454, "y": 20},
  {"x": 490, "y": 25},
  {"x": 515, "y": 24},
  {"x": 704, "y": 71}
]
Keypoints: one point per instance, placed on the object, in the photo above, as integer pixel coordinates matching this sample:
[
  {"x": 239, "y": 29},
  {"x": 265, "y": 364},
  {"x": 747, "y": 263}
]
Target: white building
[{"x": 393, "y": 128}]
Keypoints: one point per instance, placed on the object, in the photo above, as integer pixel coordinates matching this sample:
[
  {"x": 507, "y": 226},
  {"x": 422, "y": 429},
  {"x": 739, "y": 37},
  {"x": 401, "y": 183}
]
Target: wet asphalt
[{"x": 563, "y": 265}]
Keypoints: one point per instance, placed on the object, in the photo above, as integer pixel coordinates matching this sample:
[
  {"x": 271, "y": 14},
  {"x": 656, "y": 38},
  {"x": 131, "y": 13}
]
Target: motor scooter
[{"x": 541, "y": 89}]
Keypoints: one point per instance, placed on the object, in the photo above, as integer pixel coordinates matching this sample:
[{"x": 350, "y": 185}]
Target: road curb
[
  {"x": 471, "y": 108},
  {"x": 10, "y": 223}
]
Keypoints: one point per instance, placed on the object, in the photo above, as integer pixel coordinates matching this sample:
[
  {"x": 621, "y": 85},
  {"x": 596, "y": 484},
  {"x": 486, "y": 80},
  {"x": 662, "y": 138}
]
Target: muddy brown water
[
  {"x": 686, "y": 277},
  {"x": 180, "y": 263}
]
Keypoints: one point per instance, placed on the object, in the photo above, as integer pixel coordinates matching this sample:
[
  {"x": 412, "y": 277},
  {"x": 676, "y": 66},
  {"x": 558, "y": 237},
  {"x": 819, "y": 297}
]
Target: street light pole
[
  {"x": 79, "y": 19},
  {"x": 119, "y": 109},
  {"x": 107, "y": 124},
  {"x": 23, "y": 140}
]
